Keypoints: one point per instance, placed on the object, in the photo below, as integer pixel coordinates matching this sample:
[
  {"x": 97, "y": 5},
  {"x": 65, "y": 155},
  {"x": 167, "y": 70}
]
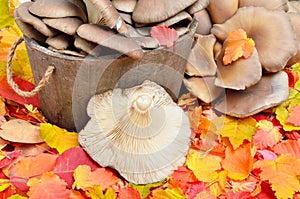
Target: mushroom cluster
[
  {"x": 249, "y": 85},
  {"x": 101, "y": 27},
  {"x": 139, "y": 131}
]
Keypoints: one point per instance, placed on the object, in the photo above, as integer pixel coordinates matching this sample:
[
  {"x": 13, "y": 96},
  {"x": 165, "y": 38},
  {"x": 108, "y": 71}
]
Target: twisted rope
[{"x": 10, "y": 80}]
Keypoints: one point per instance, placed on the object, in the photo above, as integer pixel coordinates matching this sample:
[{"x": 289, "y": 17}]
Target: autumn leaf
[
  {"x": 217, "y": 187},
  {"x": 166, "y": 36},
  {"x": 9, "y": 157},
  {"x": 238, "y": 163},
  {"x": 243, "y": 186},
  {"x": 20, "y": 131},
  {"x": 129, "y": 193},
  {"x": 237, "y": 45},
  {"x": 29, "y": 167},
  {"x": 58, "y": 138},
  {"x": 175, "y": 193},
  {"x": 288, "y": 147},
  {"x": 17, "y": 196},
  {"x": 237, "y": 130},
  {"x": 283, "y": 113},
  {"x": 265, "y": 155},
  {"x": 294, "y": 116},
  {"x": 145, "y": 190},
  {"x": 282, "y": 174},
  {"x": 75, "y": 194},
  {"x": 85, "y": 178},
  {"x": 5, "y": 18},
  {"x": 33, "y": 149},
  {"x": 267, "y": 135},
  {"x": 97, "y": 193},
  {"x": 49, "y": 186},
  {"x": 69, "y": 160}
]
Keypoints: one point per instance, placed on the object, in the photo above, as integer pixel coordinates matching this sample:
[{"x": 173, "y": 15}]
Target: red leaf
[
  {"x": 294, "y": 116},
  {"x": 196, "y": 188},
  {"x": 69, "y": 160},
  {"x": 129, "y": 193},
  {"x": 166, "y": 36},
  {"x": 10, "y": 156},
  {"x": 7, "y": 92},
  {"x": 288, "y": 147}
]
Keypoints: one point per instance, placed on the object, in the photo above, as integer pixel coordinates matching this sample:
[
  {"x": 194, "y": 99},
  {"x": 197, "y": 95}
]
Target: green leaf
[
  {"x": 145, "y": 190},
  {"x": 5, "y": 18},
  {"x": 58, "y": 138},
  {"x": 283, "y": 111},
  {"x": 236, "y": 129}
]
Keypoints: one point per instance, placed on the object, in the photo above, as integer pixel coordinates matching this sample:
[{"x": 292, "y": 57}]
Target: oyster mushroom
[
  {"x": 66, "y": 25},
  {"x": 220, "y": 10},
  {"x": 270, "y": 5},
  {"x": 139, "y": 131},
  {"x": 199, "y": 5},
  {"x": 294, "y": 6},
  {"x": 60, "y": 42},
  {"x": 87, "y": 46},
  {"x": 262, "y": 29},
  {"x": 177, "y": 18},
  {"x": 205, "y": 24},
  {"x": 295, "y": 19},
  {"x": 270, "y": 91},
  {"x": 124, "y": 5},
  {"x": 154, "y": 11}
]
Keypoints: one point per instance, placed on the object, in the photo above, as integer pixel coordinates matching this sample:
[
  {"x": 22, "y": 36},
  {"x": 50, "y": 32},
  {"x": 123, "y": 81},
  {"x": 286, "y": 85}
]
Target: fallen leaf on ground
[
  {"x": 294, "y": 116},
  {"x": 166, "y": 36},
  {"x": 288, "y": 147}
]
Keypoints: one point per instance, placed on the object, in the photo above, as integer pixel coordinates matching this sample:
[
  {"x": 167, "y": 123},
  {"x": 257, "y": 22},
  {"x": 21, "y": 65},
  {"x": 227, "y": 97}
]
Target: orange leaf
[
  {"x": 238, "y": 163},
  {"x": 282, "y": 173},
  {"x": 29, "y": 167},
  {"x": 49, "y": 186},
  {"x": 85, "y": 178},
  {"x": 166, "y": 36},
  {"x": 238, "y": 45},
  {"x": 288, "y": 147},
  {"x": 294, "y": 116},
  {"x": 267, "y": 135}
]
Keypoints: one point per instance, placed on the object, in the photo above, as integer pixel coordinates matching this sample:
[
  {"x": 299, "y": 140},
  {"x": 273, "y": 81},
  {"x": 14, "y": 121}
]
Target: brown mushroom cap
[
  {"x": 154, "y": 11},
  {"x": 275, "y": 42},
  {"x": 204, "y": 88},
  {"x": 104, "y": 36},
  {"x": 87, "y": 46},
  {"x": 60, "y": 42},
  {"x": 199, "y": 5},
  {"x": 204, "y": 24},
  {"x": 138, "y": 131},
  {"x": 240, "y": 74},
  {"x": 66, "y": 25},
  {"x": 221, "y": 10},
  {"x": 270, "y": 91},
  {"x": 124, "y": 5},
  {"x": 295, "y": 20},
  {"x": 270, "y": 4},
  {"x": 176, "y": 18},
  {"x": 57, "y": 9},
  {"x": 37, "y": 23},
  {"x": 201, "y": 58}
]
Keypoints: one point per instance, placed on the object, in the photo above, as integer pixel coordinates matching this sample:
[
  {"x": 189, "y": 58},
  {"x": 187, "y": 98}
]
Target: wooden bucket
[{"x": 75, "y": 80}]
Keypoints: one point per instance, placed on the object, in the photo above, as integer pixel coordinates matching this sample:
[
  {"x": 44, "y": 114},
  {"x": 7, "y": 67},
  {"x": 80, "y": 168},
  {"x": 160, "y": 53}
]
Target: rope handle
[{"x": 10, "y": 80}]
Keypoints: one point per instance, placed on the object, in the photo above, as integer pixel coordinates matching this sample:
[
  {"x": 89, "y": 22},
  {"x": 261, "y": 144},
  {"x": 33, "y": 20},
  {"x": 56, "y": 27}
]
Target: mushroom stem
[
  {"x": 142, "y": 103},
  {"x": 111, "y": 16}
]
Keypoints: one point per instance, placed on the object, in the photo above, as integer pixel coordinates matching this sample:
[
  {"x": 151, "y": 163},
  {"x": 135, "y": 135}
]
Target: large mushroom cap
[
  {"x": 152, "y": 11},
  {"x": 270, "y": 4},
  {"x": 221, "y": 10},
  {"x": 270, "y": 91},
  {"x": 275, "y": 42},
  {"x": 140, "y": 132},
  {"x": 66, "y": 25},
  {"x": 199, "y": 5},
  {"x": 124, "y": 5}
]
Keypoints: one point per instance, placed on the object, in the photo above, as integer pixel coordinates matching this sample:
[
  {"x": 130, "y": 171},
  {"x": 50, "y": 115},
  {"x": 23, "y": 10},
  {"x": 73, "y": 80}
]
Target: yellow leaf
[
  {"x": 204, "y": 168},
  {"x": 282, "y": 173},
  {"x": 237, "y": 129},
  {"x": 17, "y": 196},
  {"x": 97, "y": 193},
  {"x": 237, "y": 45},
  {"x": 58, "y": 138},
  {"x": 218, "y": 187},
  {"x": 175, "y": 193}
]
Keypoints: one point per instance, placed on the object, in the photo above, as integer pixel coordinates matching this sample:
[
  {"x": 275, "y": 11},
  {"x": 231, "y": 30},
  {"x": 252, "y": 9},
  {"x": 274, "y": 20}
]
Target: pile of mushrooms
[
  {"x": 101, "y": 27},
  {"x": 138, "y": 131},
  {"x": 247, "y": 85}
]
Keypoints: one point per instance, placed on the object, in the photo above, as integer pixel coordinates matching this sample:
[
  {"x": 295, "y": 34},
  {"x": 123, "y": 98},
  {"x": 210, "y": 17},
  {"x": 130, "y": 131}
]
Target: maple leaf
[
  {"x": 236, "y": 129},
  {"x": 288, "y": 147},
  {"x": 174, "y": 193},
  {"x": 166, "y": 36},
  {"x": 267, "y": 135},
  {"x": 49, "y": 186},
  {"x": 294, "y": 116},
  {"x": 85, "y": 178},
  {"x": 282, "y": 174},
  {"x": 129, "y": 193},
  {"x": 58, "y": 138},
  {"x": 69, "y": 160},
  {"x": 20, "y": 131},
  {"x": 29, "y": 167},
  {"x": 237, "y": 45},
  {"x": 238, "y": 163}
]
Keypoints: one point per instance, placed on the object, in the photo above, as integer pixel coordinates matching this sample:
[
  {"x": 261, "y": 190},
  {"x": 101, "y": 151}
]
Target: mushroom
[
  {"x": 221, "y": 10},
  {"x": 293, "y": 6},
  {"x": 138, "y": 131},
  {"x": 199, "y": 5},
  {"x": 181, "y": 16},
  {"x": 295, "y": 20},
  {"x": 66, "y": 25},
  {"x": 240, "y": 74},
  {"x": 281, "y": 35},
  {"x": 104, "y": 36},
  {"x": 270, "y": 91},
  {"x": 154, "y": 11},
  {"x": 270, "y": 5},
  {"x": 201, "y": 58},
  {"x": 204, "y": 88},
  {"x": 204, "y": 24},
  {"x": 87, "y": 46},
  {"x": 124, "y": 5},
  {"x": 60, "y": 42},
  {"x": 38, "y": 24},
  {"x": 57, "y": 9}
]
